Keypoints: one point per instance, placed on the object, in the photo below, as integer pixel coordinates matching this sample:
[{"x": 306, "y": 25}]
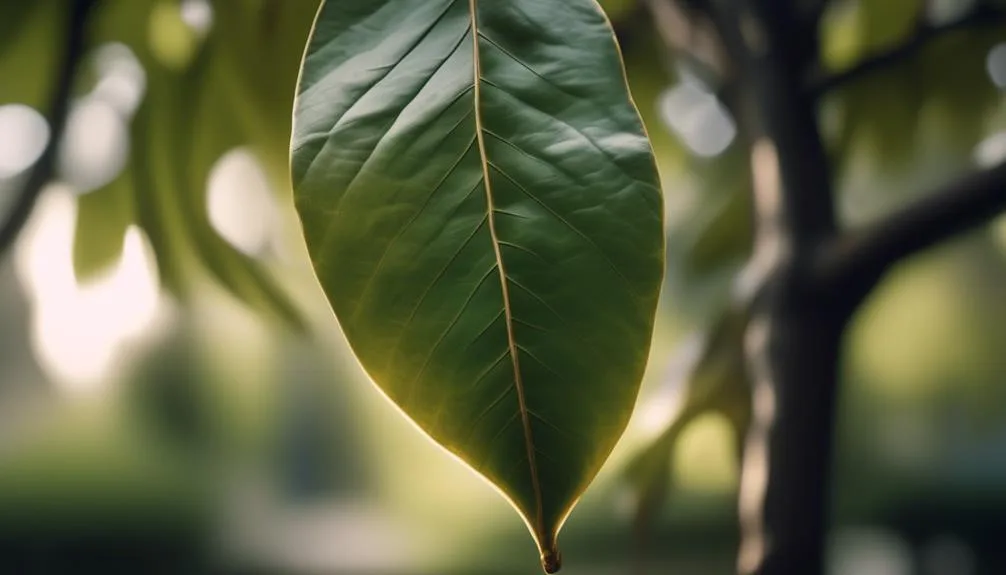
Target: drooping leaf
[
  {"x": 887, "y": 23},
  {"x": 156, "y": 204},
  {"x": 721, "y": 231},
  {"x": 14, "y": 15},
  {"x": 30, "y": 45},
  {"x": 713, "y": 380},
  {"x": 259, "y": 48},
  {"x": 853, "y": 30},
  {"x": 187, "y": 120},
  {"x": 102, "y": 219},
  {"x": 179, "y": 160},
  {"x": 481, "y": 206}
]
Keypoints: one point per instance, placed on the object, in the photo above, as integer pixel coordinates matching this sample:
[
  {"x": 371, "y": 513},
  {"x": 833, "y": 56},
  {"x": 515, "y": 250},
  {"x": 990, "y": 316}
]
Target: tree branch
[
  {"x": 982, "y": 15},
  {"x": 855, "y": 261},
  {"x": 58, "y": 111}
]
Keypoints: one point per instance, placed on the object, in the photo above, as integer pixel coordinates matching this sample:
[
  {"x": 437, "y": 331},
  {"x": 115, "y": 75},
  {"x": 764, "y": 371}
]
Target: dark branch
[
  {"x": 981, "y": 15},
  {"x": 858, "y": 259},
  {"x": 58, "y": 110}
]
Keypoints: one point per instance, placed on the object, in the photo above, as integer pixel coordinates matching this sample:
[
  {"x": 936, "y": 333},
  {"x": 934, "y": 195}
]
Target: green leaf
[
  {"x": 714, "y": 380},
  {"x": 176, "y": 158},
  {"x": 102, "y": 219},
  {"x": 13, "y": 16},
  {"x": 30, "y": 44},
  {"x": 260, "y": 45},
  {"x": 482, "y": 208},
  {"x": 887, "y": 23},
  {"x": 190, "y": 116},
  {"x": 721, "y": 231}
]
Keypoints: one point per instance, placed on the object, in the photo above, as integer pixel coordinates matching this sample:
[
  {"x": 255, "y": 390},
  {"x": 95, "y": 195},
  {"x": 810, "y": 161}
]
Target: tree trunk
[
  {"x": 793, "y": 345},
  {"x": 794, "y": 337}
]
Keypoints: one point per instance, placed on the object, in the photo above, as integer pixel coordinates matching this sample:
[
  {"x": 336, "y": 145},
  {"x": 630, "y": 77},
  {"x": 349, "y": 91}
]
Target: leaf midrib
[{"x": 540, "y": 534}]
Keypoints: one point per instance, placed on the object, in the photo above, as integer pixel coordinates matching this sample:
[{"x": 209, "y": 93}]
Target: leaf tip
[{"x": 551, "y": 560}]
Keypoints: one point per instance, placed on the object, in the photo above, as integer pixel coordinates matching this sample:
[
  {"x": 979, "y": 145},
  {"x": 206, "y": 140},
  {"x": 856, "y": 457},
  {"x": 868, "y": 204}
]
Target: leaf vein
[
  {"x": 373, "y": 151},
  {"x": 486, "y": 371},
  {"x": 406, "y": 226},
  {"x": 527, "y": 67},
  {"x": 567, "y": 223},
  {"x": 429, "y": 287},
  {"x": 578, "y": 131},
  {"x": 443, "y": 336},
  {"x": 486, "y": 328},
  {"x": 521, "y": 248},
  {"x": 544, "y": 539}
]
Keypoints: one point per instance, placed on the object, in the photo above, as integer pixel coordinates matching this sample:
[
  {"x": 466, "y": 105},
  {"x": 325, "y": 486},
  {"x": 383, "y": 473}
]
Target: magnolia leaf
[{"x": 481, "y": 206}]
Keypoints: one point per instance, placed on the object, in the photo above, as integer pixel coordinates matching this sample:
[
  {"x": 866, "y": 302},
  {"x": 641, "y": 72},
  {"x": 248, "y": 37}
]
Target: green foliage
[
  {"x": 615, "y": 9},
  {"x": 201, "y": 102},
  {"x": 102, "y": 219},
  {"x": 482, "y": 208},
  {"x": 882, "y": 112},
  {"x": 178, "y": 162},
  {"x": 716, "y": 381},
  {"x": 722, "y": 229},
  {"x": 29, "y": 28},
  {"x": 852, "y": 31}
]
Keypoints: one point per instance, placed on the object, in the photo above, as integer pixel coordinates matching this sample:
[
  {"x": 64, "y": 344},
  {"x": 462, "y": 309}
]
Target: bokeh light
[
  {"x": 240, "y": 202},
  {"x": 698, "y": 118},
  {"x": 80, "y": 333},
  {"x": 122, "y": 81},
  {"x": 95, "y": 145},
  {"x": 24, "y": 134}
]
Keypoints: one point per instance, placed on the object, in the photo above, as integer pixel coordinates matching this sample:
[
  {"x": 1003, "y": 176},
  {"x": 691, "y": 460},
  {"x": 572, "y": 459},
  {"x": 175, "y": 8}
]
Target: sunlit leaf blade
[{"x": 482, "y": 209}]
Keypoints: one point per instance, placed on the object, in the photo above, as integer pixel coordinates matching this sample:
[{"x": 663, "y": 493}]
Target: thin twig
[
  {"x": 981, "y": 15},
  {"x": 856, "y": 260},
  {"x": 58, "y": 111}
]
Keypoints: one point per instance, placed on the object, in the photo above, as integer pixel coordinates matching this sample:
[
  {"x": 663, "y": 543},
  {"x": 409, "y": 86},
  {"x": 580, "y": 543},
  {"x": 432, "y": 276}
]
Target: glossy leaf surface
[{"x": 482, "y": 209}]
